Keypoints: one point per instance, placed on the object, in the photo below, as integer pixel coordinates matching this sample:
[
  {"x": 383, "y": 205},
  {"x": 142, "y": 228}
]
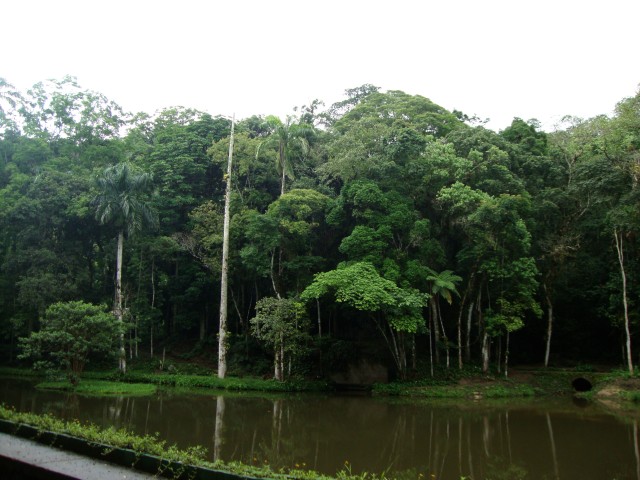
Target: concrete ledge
[
  {"x": 25, "y": 447},
  {"x": 27, "y": 459}
]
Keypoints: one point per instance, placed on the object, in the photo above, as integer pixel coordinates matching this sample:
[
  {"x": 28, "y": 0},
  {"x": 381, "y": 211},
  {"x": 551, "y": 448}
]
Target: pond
[{"x": 559, "y": 438}]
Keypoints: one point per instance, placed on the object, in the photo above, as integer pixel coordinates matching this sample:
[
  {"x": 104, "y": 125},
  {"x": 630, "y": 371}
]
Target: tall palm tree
[
  {"x": 121, "y": 202},
  {"x": 443, "y": 285},
  {"x": 285, "y": 136}
]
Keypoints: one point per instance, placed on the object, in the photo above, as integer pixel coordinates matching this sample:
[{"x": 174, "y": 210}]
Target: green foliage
[
  {"x": 70, "y": 334},
  {"x": 523, "y": 217},
  {"x": 365, "y": 244},
  {"x": 121, "y": 198},
  {"x": 359, "y": 285},
  {"x": 283, "y": 325},
  {"x": 290, "y": 140}
]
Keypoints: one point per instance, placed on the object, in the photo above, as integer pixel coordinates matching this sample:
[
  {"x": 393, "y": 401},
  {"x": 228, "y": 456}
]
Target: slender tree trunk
[
  {"x": 617, "y": 235},
  {"x": 273, "y": 279},
  {"x": 459, "y": 330},
  {"x": 444, "y": 335},
  {"x": 283, "y": 160},
  {"x": 282, "y": 181},
  {"x": 222, "y": 333},
  {"x": 135, "y": 330},
  {"x": 467, "y": 344},
  {"x": 397, "y": 351},
  {"x": 431, "y": 349},
  {"x": 241, "y": 319},
  {"x": 436, "y": 329},
  {"x": 153, "y": 303},
  {"x": 319, "y": 336},
  {"x": 485, "y": 340},
  {"x": 135, "y": 337},
  {"x": 279, "y": 360},
  {"x": 506, "y": 358},
  {"x": 499, "y": 355},
  {"x": 485, "y": 352},
  {"x": 414, "y": 359},
  {"x": 122, "y": 357},
  {"x": 276, "y": 363},
  {"x": 547, "y": 350}
]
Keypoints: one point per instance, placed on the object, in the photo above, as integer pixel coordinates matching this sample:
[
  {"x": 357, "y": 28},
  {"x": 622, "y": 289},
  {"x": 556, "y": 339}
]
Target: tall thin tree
[
  {"x": 121, "y": 201},
  {"x": 285, "y": 136},
  {"x": 222, "y": 333}
]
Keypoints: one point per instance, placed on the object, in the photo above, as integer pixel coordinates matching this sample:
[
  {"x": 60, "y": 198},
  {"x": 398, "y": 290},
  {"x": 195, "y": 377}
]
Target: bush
[{"x": 70, "y": 333}]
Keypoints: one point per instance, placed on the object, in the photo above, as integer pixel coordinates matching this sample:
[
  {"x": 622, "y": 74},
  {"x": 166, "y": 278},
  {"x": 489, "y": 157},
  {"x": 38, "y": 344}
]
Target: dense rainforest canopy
[{"x": 382, "y": 228}]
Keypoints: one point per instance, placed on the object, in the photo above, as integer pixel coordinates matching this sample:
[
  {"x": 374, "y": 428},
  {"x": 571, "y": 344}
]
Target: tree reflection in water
[{"x": 218, "y": 436}]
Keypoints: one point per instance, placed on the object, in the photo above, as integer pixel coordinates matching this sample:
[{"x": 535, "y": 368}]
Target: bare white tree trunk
[
  {"x": 222, "y": 334},
  {"x": 117, "y": 307},
  {"x": 485, "y": 352},
  {"x": 617, "y": 235},
  {"x": 279, "y": 361}
]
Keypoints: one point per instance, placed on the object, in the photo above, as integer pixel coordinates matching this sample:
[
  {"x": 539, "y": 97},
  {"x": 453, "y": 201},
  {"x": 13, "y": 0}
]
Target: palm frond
[{"x": 121, "y": 198}]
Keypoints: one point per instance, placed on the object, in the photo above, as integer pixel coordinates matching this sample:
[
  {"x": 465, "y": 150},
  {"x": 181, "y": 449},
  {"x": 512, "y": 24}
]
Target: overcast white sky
[{"x": 495, "y": 58}]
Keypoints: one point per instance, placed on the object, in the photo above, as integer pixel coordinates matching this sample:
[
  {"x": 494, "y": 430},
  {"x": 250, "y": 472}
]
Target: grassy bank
[
  {"x": 472, "y": 384},
  {"x": 101, "y": 388},
  {"x": 453, "y": 383},
  {"x": 474, "y": 391},
  {"x": 213, "y": 382},
  {"x": 207, "y": 381}
]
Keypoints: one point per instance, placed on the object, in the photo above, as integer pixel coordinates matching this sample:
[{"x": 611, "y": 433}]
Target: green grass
[
  {"x": 209, "y": 381},
  {"x": 213, "y": 382},
  {"x": 101, "y": 388},
  {"x": 498, "y": 390},
  {"x": 509, "y": 391}
]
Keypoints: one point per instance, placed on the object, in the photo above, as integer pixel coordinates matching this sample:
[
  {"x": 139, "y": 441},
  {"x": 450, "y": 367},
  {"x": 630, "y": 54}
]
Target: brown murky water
[{"x": 534, "y": 440}]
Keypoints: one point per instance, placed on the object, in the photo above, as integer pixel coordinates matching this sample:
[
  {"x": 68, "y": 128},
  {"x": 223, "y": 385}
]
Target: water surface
[{"x": 535, "y": 439}]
